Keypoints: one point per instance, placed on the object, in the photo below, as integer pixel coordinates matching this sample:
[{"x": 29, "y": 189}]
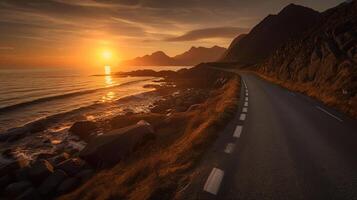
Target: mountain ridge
[
  {"x": 270, "y": 33},
  {"x": 317, "y": 57},
  {"x": 193, "y": 56},
  {"x": 322, "y": 62}
]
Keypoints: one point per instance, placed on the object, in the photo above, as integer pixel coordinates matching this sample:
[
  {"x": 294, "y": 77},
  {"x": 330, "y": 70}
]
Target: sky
[{"x": 74, "y": 33}]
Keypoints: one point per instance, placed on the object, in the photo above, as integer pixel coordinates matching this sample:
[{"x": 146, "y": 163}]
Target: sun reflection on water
[
  {"x": 107, "y": 70},
  {"x": 108, "y": 77},
  {"x": 109, "y": 96},
  {"x": 108, "y": 81}
]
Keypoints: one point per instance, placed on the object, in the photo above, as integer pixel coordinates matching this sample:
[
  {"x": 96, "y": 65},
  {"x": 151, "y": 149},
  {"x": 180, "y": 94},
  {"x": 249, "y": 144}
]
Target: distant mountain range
[
  {"x": 305, "y": 50},
  {"x": 193, "y": 56}
]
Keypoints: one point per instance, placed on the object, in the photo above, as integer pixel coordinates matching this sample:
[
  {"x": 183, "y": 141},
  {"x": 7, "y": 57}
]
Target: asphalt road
[{"x": 281, "y": 145}]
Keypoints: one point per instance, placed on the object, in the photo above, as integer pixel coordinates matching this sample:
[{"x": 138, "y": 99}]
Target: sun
[{"x": 107, "y": 55}]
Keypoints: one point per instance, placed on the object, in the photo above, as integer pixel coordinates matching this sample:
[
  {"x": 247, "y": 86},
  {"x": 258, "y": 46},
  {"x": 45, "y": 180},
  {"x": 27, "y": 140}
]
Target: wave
[
  {"x": 71, "y": 94},
  {"x": 45, "y": 122}
]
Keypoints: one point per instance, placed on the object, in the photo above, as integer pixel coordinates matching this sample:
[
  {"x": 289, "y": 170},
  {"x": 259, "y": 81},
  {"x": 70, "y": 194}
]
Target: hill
[
  {"x": 271, "y": 33},
  {"x": 322, "y": 61}
]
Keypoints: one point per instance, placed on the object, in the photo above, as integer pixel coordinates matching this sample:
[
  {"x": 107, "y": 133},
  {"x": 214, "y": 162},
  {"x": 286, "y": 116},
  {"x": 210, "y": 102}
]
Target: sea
[{"x": 50, "y": 94}]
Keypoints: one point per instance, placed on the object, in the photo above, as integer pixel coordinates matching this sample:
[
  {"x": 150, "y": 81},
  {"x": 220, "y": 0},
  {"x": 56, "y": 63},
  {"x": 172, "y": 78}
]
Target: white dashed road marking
[
  {"x": 245, "y": 85},
  {"x": 245, "y": 110},
  {"x": 246, "y": 99},
  {"x": 214, "y": 181},
  {"x": 238, "y": 131},
  {"x": 229, "y": 148},
  {"x": 242, "y": 116},
  {"x": 245, "y": 103},
  {"x": 325, "y": 111}
]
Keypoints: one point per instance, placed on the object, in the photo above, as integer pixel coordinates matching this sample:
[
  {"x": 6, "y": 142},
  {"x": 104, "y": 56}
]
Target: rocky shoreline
[{"x": 92, "y": 146}]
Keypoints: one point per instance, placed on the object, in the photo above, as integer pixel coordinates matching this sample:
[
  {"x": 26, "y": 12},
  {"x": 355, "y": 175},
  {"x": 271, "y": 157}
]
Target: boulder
[
  {"x": 72, "y": 166},
  {"x": 84, "y": 129},
  {"x": 29, "y": 194},
  {"x": 9, "y": 166},
  {"x": 5, "y": 180},
  {"x": 67, "y": 185},
  {"x": 49, "y": 185},
  {"x": 40, "y": 171},
  {"x": 110, "y": 148},
  {"x": 14, "y": 137},
  {"x": 8, "y": 153},
  {"x": 22, "y": 173},
  {"x": 59, "y": 158},
  {"x": 4, "y": 137},
  {"x": 84, "y": 175},
  {"x": 14, "y": 189},
  {"x": 45, "y": 156}
]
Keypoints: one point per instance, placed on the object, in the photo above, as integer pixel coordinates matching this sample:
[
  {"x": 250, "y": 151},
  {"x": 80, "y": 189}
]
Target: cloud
[
  {"x": 218, "y": 32},
  {"x": 44, "y": 26}
]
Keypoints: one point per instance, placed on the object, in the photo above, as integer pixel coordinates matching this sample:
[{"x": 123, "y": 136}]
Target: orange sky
[{"x": 73, "y": 33}]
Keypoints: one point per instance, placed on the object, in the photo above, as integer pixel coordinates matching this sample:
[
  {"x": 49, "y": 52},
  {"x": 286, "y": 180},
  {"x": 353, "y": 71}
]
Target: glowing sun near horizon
[{"x": 107, "y": 55}]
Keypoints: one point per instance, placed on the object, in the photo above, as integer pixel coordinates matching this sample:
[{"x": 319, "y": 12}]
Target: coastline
[
  {"x": 174, "y": 110},
  {"x": 184, "y": 124}
]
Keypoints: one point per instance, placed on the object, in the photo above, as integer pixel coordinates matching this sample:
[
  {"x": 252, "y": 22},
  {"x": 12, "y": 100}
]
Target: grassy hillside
[{"x": 162, "y": 167}]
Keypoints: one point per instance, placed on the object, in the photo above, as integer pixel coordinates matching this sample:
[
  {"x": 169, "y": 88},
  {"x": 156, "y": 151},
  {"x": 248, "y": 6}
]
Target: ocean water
[{"x": 29, "y": 95}]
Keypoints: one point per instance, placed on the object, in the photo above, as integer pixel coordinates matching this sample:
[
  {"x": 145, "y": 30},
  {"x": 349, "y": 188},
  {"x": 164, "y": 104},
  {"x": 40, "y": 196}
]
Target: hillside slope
[
  {"x": 270, "y": 34},
  {"x": 322, "y": 62}
]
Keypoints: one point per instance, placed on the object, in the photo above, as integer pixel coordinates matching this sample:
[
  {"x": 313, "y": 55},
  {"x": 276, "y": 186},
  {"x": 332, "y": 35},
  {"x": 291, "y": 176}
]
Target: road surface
[{"x": 281, "y": 145}]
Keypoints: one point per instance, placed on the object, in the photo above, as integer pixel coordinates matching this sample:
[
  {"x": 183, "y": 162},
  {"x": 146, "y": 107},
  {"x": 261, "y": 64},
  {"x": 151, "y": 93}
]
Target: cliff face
[
  {"x": 270, "y": 34},
  {"x": 323, "y": 60}
]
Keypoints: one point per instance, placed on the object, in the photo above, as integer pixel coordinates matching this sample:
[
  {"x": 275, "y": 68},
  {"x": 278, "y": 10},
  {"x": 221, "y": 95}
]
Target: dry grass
[
  {"x": 162, "y": 167},
  {"x": 323, "y": 94}
]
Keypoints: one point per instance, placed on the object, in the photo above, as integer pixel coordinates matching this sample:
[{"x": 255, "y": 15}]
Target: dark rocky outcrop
[
  {"x": 42, "y": 180},
  {"x": 40, "y": 171},
  {"x": 83, "y": 129},
  {"x": 50, "y": 184},
  {"x": 116, "y": 145},
  {"x": 324, "y": 59},
  {"x": 16, "y": 188},
  {"x": 85, "y": 175},
  {"x": 68, "y": 185},
  {"x": 72, "y": 166},
  {"x": 55, "y": 160},
  {"x": 29, "y": 194},
  {"x": 270, "y": 34},
  {"x": 5, "y": 180}
]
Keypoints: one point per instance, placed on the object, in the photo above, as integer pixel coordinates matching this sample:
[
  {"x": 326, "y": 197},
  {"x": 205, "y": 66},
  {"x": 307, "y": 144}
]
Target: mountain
[
  {"x": 270, "y": 34},
  {"x": 198, "y": 55},
  {"x": 156, "y": 58},
  {"x": 233, "y": 44},
  {"x": 193, "y": 56},
  {"x": 322, "y": 62}
]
